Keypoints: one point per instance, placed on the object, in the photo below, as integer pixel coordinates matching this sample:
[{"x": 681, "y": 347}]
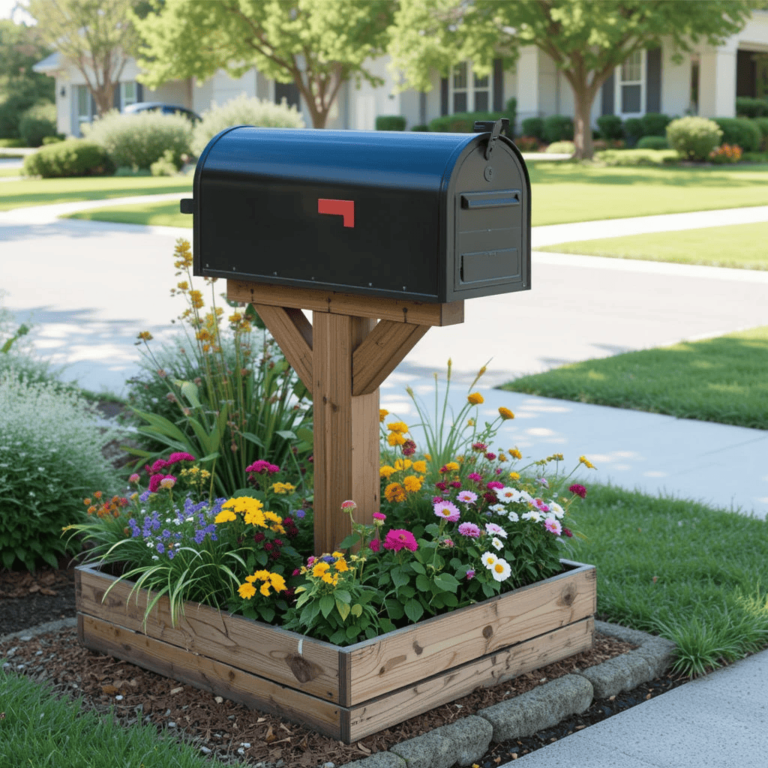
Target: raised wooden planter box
[{"x": 346, "y": 693}]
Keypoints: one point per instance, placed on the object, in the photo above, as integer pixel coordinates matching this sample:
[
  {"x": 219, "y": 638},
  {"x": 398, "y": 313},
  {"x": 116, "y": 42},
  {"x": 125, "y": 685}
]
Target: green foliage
[
  {"x": 50, "y": 455},
  {"x": 694, "y": 137},
  {"x": 611, "y": 127},
  {"x": 165, "y": 166},
  {"x": 655, "y": 124},
  {"x": 37, "y": 123},
  {"x": 420, "y": 128},
  {"x": 637, "y": 157},
  {"x": 528, "y": 143},
  {"x": 740, "y": 131},
  {"x": 558, "y": 128},
  {"x": 510, "y": 109},
  {"x": 461, "y": 122},
  {"x": 749, "y": 107},
  {"x": 653, "y": 142},
  {"x": 74, "y": 157},
  {"x": 633, "y": 130},
  {"x": 561, "y": 148},
  {"x": 762, "y": 124},
  {"x": 137, "y": 141},
  {"x": 390, "y": 123},
  {"x": 54, "y": 139},
  {"x": 533, "y": 126},
  {"x": 244, "y": 110}
]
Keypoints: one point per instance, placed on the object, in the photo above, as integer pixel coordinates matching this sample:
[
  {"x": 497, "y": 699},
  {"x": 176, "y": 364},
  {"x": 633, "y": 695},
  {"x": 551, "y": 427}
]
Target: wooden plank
[
  {"x": 382, "y": 351},
  {"x": 492, "y": 669},
  {"x": 438, "y": 644},
  {"x": 285, "y": 657},
  {"x": 293, "y": 332},
  {"x": 209, "y": 675},
  {"x": 399, "y": 311}
]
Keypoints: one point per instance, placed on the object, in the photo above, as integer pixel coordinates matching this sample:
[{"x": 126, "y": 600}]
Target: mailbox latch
[{"x": 482, "y": 126}]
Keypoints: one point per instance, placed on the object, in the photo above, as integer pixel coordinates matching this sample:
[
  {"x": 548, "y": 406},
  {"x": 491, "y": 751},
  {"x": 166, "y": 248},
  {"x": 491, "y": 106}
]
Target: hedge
[{"x": 75, "y": 157}]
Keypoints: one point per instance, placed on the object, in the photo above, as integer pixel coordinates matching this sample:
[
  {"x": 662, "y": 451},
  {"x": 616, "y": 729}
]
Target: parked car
[{"x": 158, "y": 106}]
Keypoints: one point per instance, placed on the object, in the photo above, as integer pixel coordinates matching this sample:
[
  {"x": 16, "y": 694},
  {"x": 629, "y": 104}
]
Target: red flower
[
  {"x": 579, "y": 490},
  {"x": 441, "y": 486},
  {"x": 568, "y": 532},
  {"x": 409, "y": 448},
  {"x": 490, "y": 497},
  {"x": 455, "y": 484}
]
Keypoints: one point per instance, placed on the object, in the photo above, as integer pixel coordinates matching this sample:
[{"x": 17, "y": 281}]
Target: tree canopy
[
  {"x": 316, "y": 44},
  {"x": 587, "y": 40}
]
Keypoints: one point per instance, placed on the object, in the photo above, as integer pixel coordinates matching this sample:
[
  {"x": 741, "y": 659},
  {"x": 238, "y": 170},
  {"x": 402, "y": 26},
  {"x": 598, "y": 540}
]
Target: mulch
[{"x": 230, "y": 731}]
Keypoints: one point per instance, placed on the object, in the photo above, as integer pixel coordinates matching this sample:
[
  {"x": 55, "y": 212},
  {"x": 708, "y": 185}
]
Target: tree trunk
[
  {"x": 104, "y": 98},
  {"x": 583, "y": 97}
]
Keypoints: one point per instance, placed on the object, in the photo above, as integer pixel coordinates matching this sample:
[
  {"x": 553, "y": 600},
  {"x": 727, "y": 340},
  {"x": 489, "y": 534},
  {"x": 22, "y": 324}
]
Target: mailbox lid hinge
[{"x": 483, "y": 126}]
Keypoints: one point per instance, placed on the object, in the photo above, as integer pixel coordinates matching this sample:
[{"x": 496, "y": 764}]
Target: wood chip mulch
[{"x": 228, "y": 730}]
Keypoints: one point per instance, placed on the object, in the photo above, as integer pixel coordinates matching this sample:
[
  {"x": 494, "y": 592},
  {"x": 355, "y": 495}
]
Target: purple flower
[
  {"x": 469, "y": 529},
  {"x": 300, "y": 513},
  {"x": 543, "y": 481},
  {"x": 330, "y": 559},
  {"x": 144, "y": 496},
  {"x": 171, "y": 554},
  {"x": 470, "y": 575},
  {"x": 467, "y": 497},
  {"x": 447, "y": 510},
  {"x": 160, "y": 547}
]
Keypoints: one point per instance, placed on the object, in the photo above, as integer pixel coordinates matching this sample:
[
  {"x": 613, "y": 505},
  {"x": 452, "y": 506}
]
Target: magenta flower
[
  {"x": 447, "y": 510},
  {"x": 490, "y": 456},
  {"x": 455, "y": 484},
  {"x": 134, "y": 478},
  {"x": 176, "y": 457},
  {"x": 469, "y": 529},
  {"x": 540, "y": 505},
  {"x": 158, "y": 466},
  {"x": 579, "y": 490},
  {"x": 156, "y": 480},
  {"x": 374, "y": 545},
  {"x": 475, "y": 477},
  {"x": 494, "y": 484},
  {"x": 553, "y": 525},
  {"x": 568, "y": 532},
  {"x": 262, "y": 466},
  {"x": 470, "y": 575},
  {"x": 348, "y": 506},
  {"x": 398, "y": 539},
  {"x": 467, "y": 497},
  {"x": 479, "y": 447},
  {"x": 441, "y": 486},
  {"x": 409, "y": 448},
  {"x": 379, "y": 516}
]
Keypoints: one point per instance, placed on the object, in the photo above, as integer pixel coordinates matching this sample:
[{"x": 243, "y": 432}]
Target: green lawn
[
  {"x": 696, "y": 575},
  {"x": 10, "y": 171},
  {"x": 742, "y": 246},
  {"x": 567, "y": 192},
  {"x": 724, "y": 379},
  {"x": 20, "y": 194}
]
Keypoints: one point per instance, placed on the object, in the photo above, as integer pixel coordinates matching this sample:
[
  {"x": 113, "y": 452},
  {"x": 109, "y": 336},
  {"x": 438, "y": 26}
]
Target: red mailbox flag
[{"x": 345, "y": 208}]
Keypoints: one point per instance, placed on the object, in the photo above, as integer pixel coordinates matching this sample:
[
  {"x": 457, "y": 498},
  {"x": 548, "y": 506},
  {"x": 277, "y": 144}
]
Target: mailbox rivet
[
  {"x": 488, "y": 172},
  {"x": 370, "y": 285}
]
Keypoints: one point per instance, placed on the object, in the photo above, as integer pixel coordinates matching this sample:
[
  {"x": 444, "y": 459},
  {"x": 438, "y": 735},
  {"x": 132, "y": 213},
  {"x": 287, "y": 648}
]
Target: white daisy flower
[
  {"x": 525, "y": 496},
  {"x": 489, "y": 559},
  {"x": 501, "y": 570},
  {"x": 556, "y": 510},
  {"x": 499, "y": 509},
  {"x": 495, "y": 530},
  {"x": 497, "y": 543},
  {"x": 534, "y": 515},
  {"x": 513, "y": 517},
  {"x": 508, "y": 494}
]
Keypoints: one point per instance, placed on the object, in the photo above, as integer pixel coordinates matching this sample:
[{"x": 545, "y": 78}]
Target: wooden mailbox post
[{"x": 343, "y": 357}]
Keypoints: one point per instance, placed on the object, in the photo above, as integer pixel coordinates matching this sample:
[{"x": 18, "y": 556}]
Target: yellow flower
[
  {"x": 502, "y": 458},
  {"x": 412, "y": 483},
  {"x": 383, "y": 413},
  {"x": 505, "y": 413},
  {"x": 255, "y": 517},
  {"x": 514, "y": 476},
  {"x": 398, "y": 426},
  {"x": 475, "y": 398},
  {"x": 236, "y": 317},
  {"x": 393, "y": 438},
  {"x": 277, "y": 581},
  {"x": 283, "y": 488},
  {"x": 261, "y": 575},
  {"x": 386, "y": 471},
  {"x": 420, "y": 467},
  {"x": 225, "y": 516},
  {"x": 470, "y": 422},
  {"x": 183, "y": 253},
  {"x": 341, "y": 565},
  {"x": 145, "y": 336},
  {"x": 394, "y": 492},
  {"x": 246, "y": 591},
  {"x": 583, "y": 460},
  {"x": 428, "y": 456},
  {"x": 403, "y": 464},
  {"x": 515, "y": 453},
  {"x": 196, "y": 298},
  {"x": 319, "y": 569},
  {"x": 264, "y": 589},
  {"x": 243, "y": 504},
  {"x": 183, "y": 286},
  {"x": 277, "y": 528},
  {"x": 331, "y": 579},
  {"x": 452, "y": 466}
]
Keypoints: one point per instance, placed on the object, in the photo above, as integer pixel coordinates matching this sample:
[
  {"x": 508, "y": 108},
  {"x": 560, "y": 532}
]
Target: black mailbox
[{"x": 424, "y": 216}]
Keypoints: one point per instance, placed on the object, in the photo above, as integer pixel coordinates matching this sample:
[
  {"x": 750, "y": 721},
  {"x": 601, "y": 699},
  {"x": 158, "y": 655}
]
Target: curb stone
[
  {"x": 40, "y": 629},
  {"x": 533, "y": 711}
]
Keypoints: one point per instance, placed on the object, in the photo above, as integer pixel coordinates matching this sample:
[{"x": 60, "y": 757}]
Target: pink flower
[
  {"x": 168, "y": 482},
  {"x": 156, "y": 480},
  {"x": 490, "y": 456},
  {"x": 494, "y": 484},
  {"x": 158, "y": 466},
  {"x": 553, "y": 526},
  {"x": 469, "y": 529},
  {"x": 296, "y": 572},
  {"x": 375, "y": 545},
  {"x": 449, "y": 543},
  {"x": 467, "y": 497},
  {"x": 543, "y": 481},
  {"x": 475, "y": 477},
  {"x": 540, "y": 505},
  {"x": 447, "y": 511},
  {"x": 398, "y": 539},
  {"x": 379, "y": 516},
  {"x": 176, "y": 457},
  {"x": 437, "y": 499},
  {"x": 579, "y": 490},
  {"x": 348, "y": 506},
  {"x": 470, "y": 575},
  {"x": 455, "y": 484},
  {"x": 479, "y": 447},
  {"x": 311, "y": 559},
  {"x": 134, "y": 478},
  {"x": 495, "y": 530},
  {"x": 262, "y": 466}
]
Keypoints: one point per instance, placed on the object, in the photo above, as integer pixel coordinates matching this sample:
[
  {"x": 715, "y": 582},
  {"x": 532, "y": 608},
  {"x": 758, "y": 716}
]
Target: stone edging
[{"x": 468, "y": 739}]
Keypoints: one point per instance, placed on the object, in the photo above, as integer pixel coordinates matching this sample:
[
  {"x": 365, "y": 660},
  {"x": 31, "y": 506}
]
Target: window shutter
[
  {"x": 607, "y": 89},
  {"x": 498, "y": 86},
  {"x": 444, "y": 96},
  {"x": 116, "y": 97},
  {"x": 653, "y": 80},
  {"x": 139, "y": 92}
]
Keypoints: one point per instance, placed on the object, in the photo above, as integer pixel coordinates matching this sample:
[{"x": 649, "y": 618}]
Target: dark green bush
[
  {"x": 633, "y": 131},
  {"x": 390, "y": 123},
  {"x": 749, "y": 107},
  {"x": 762, "y": 124},
  {"x": 740, "y": 131},
  {"x": 533, "y": 127},
  {"x": 54, "y": 139},
  {"x": 558, "y": 128},
  {"x": 11, "y": 111},
  {"x": 510, "y": 109},
  {"x": 461, "y": 122},
  {"x": 611, "y": 127},
  {"x": 75, "y": 157},
  {"x": 37, "y": 123},
  {"x": 421, "y": 128},
  {"x": 653, "y": 142},
  {"x": 655, "y": 124}
]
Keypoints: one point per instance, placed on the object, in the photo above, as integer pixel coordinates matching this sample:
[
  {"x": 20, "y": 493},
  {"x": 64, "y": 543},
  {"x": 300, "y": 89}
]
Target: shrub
[
  {"x": 244, "y": 111},
  {"x": 139, "y": 140},
  {"x": 655, "y": 124},
  {"x": 633, "y": 131},
  {"x": 528, "y": 143},
  {"x": 461, "y": 122},
  {"x": 653, "y": 142},
  {"x": 164, "y": 166},
  {"x": 749, "y": 107},
  {"x": 724, "y": 154},
  {"x": 75, "y": 157},
  {"x": 54, "y": 139},
  {"x": 561, "y": 148},
  {"x": 420, "y": 128},
  {"x": 694, "y": 137},
  {"x": 390, "y": 123},
  {"x": 632, "y": 157},
  {"x": 740, "y": 131},
  {"x": 50, "y": 456},
  {"x": 12, "y": 110},
  {"x": 611, "y": 127},
  {"x": 762, "y": 124},
  {"x": 533, "y": 126},
  {"x": 558, "y": 128},
  {"x": 37, "y": 123},
  {"x": 510, "y": 108}
]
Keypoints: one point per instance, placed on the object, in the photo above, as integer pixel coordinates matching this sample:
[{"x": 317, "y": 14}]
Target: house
[{"x": 706, "y": 82}]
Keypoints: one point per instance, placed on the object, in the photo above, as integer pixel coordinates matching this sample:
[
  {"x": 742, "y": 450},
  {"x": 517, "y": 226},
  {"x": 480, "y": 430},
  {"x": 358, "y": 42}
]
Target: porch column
[{"x": 717, "y": 82}]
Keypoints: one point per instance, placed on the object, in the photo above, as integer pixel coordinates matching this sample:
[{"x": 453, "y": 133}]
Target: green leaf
[
  {"x": 343, "y": 609},
  {"x": 394, "y": 609},
  {"x": 255, "y": 439},
  {"x": 268, "y": 614},
  {"x": 343, "y": 595},
  {"x": 414, "y": 610},
  {"x": 286, "y": 434},
  {"x": 162, "y": 425},
  {"x": 326, "y": 605},
  {"x": 446, "y": 582},
  {"x": 399, "y": 579},
  {"x": 418, "y": 567},
  {"x": 357, "y": 609},
  {"x": 352, "y": 632},
  {"x": 350, "y": 541},
  {"x": 190, "y": 391},
  {"x": 423, "y": 583}
]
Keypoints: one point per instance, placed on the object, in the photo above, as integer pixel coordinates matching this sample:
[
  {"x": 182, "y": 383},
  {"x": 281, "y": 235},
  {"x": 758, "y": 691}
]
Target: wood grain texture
[
  {"x": 293, "y": 332},
  {"x": 285, "y": 657},
  {"x": 484, "y": 672},
  {"x": 210, "y": 675},
  {"x": 394, "y": 660},
  {"x": 414, "y": 312},
  {"x": 382, "y": 351}
]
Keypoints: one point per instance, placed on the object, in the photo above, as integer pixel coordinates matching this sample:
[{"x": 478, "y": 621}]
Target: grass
[
  {"x": 49, "y": 191},
  {"x": 695, "y": 575},
  {"x": 724, "y": 380},
  {"x": 741, "y": 247},
  {"x": 570, "y": 192},
  {"x": 38, "y": 729},
  {"x": 10, "y": 171}
]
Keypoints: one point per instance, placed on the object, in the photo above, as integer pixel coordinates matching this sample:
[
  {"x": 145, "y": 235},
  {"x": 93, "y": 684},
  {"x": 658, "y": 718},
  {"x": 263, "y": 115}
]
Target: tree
[
  {"x": 316, "y": 44},
  {"x": 586, "y": 39},
  {"x": 96, "y": 36}
]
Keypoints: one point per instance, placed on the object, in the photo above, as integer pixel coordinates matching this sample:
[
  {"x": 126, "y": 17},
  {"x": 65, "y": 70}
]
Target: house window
[
  {"x": 630, "y": 94},
  {"x": 128, "y": 94},
  {"x": 84, "y": 114},
  {"x": 468, "y": 92}
]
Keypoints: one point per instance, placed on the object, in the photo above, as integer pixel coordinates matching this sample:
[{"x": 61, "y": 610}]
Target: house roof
[{"x": 49, "y": 64}]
